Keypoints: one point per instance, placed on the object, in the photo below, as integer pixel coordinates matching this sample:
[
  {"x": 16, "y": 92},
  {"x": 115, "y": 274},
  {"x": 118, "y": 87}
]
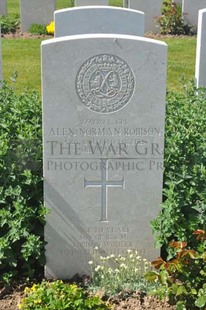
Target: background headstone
[
  {"x": 103, "y": 116},
  {"x": 101, "y": 20},
  {"x": 190, "y": 10},
  {"x": 151, "y": 8},
  {"x": 36, "y": 12},
  {"x": 91, "y": 2},
  {"x": 3, "y": 7},
  {"x": 200, "y": 71}
]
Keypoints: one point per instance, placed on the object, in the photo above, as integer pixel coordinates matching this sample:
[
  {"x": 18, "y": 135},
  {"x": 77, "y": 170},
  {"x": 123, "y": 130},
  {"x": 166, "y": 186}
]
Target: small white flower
[
  {"x": 112, "y": 256},
  {"x": 117, "y": 270},
  {"x": 98, "y": 268},
  {"x": 110, "y": 270},
  {"x": 96, "y": 248},
  {"x": 131, "y": 256},
  {"x": 129, "y": 251},
  {"x": 123, "y": 266},
  {"x": 122, "y": 259},
  {"x": 90, "y": 262}
]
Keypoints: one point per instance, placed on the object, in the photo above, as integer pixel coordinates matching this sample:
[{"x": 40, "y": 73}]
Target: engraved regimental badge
[{"x": 105, "y": 83}]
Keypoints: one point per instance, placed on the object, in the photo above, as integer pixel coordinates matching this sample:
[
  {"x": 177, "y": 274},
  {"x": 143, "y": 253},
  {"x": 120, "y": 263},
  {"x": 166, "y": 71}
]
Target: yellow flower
[
  {"x": 34, "y": 287},
  {"x": 26, "y": 290},
  {"x": 37, "y": 301},
  {"x": 50, "y": 28}
]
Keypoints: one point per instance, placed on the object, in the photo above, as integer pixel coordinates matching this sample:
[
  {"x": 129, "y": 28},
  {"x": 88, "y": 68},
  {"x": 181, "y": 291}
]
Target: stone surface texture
[
  {"x": 200, "y": 70},
  {"x": 3, "y": 7},
  {"x": 36, "y": 12},
  {"x": 151, "y": 8},
  {"x": 91, "y": 2},
  {"x": 103, "y": 120},
  {"x": 190, "y": 10},
  {"x": 101, "y": 20}
]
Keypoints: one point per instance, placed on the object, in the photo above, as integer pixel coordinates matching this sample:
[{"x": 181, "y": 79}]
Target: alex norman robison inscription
[
  {"x": 103, "y": 116},
  {"x": 105, "y": 83}
]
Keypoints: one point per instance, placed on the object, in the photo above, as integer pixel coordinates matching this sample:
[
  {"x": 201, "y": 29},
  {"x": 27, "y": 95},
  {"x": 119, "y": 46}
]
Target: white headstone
[
  {"x": 36, "y": 12},
  {"x": 151, "y": 8},
  {"x": 91, "y": 2},
  {"x": 200, "y": 71},
  {"x": 101, "y": 20},
  {"x": 103, "y": 119},
  {"x": 3, "y": 7},
  {"x": 190, "y": 10}
]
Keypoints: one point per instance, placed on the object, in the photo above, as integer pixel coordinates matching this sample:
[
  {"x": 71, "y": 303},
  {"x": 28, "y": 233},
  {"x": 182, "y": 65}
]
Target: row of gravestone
[{"x": 41, "y": 11}]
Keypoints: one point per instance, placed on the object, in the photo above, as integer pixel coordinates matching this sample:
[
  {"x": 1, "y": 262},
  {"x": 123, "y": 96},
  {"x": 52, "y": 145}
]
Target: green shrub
[
  {"x": 38, "y": 29},
  {"x": 182, "y": 279},
  {"x": 21, "y": 210},
  {"x": 9, "y": 25},
  {"x": 171, "y": 20},
  {"x": 184, "y": 206},
  {"x": 59, "y": 296}
]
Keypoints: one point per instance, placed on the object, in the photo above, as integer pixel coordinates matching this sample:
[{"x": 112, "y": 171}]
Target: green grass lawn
[
  {"x": 14, "y": 5},
  {"x": 23, "y": 55}
]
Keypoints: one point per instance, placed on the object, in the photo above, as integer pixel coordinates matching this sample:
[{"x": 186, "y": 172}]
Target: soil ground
[{"x": 10, "y": 298}]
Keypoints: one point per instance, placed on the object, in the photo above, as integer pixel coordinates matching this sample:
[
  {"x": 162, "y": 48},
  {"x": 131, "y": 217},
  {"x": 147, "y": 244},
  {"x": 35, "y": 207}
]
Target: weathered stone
[
  {"x": 36, "y": 12},
  {"x": 103, "y": 115},
  {"x": 86, "y": 20}
]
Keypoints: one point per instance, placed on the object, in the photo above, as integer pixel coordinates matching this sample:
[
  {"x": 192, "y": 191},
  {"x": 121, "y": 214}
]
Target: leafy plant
[
  {"x": 9, "y": 25},
  {"x": 21, "y": 191},
  {"x": 61, "y": 296},
  {"x": 184, "y": 206},
  {"x": 113, "y": 274},
  {"x": 171, "y": 21},
  {"x": 37, "y": 29},
  {"x": 182, "y": 279}
]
